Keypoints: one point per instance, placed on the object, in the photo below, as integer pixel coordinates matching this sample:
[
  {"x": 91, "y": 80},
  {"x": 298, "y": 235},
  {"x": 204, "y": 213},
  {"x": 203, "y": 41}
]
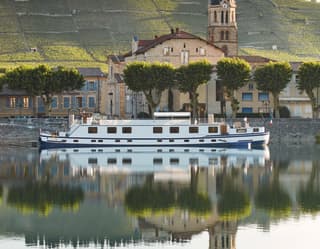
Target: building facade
[{"x": 177, "y": 48}]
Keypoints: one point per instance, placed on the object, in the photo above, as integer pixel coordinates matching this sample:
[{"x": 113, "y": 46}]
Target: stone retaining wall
[{"x": 288, "y": 131}]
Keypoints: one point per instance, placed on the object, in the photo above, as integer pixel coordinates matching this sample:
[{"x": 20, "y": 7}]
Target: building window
[
  {"x": 66, "y": 102},
  {"x": 202, "y": 51},
  {"x": 157, "y": 129},
  {"x": 250, "y": 86},
  {"x": 12, "y": 102},
  {"x": 263, "y": 96},
  {"x": 174, "y": 129},
  {"x": 222, "y": 35},
  {"x": 227, "y": 16},
  {"x": 112, "y": 130},
  {"x": 26, "y": 103},
  {"x": 222, "y": 17},
  {"x": 79, "y": 102},
  {"x": 92, "y": 102},
  {"x": 227, "y": 35},
  {"x": 54, "y": 103},
  {"x": 92, "y": 129},
  {"x": 92, "y": 86},
  {"x": 247, "y": 96},
  {"x": 126, "y": 130},
  {"x": 184, "y": 57},
  {"x": 215, "y": 16},
  {"x": 166, "y": 51},
  {"x": 246, "y": 109}
]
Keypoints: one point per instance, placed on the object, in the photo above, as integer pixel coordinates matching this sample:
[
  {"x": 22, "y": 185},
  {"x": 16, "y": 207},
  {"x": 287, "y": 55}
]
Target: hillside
[{"x": 85, "y": 32}]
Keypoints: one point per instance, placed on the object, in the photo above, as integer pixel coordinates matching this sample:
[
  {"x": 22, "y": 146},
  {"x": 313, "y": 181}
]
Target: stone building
[{"x": 177, "y": 48}]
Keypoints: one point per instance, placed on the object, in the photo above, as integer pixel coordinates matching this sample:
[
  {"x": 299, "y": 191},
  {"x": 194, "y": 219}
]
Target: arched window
[
  {"x": 222, "y": 17},
  {"x": 227, "y": 35},
  {"x": 227, "y": 16}
]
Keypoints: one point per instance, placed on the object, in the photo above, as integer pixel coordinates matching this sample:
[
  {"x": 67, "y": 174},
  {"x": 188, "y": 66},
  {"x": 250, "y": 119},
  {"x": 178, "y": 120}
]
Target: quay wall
[{"x": 283, "y": 131}]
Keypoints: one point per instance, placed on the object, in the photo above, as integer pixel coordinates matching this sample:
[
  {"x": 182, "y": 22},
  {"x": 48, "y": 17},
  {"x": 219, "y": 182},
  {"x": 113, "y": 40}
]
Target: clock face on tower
[{"x": 225, "y": 5}]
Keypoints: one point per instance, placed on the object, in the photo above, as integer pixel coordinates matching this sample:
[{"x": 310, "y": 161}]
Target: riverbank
[{"x": 282, "y": 131}]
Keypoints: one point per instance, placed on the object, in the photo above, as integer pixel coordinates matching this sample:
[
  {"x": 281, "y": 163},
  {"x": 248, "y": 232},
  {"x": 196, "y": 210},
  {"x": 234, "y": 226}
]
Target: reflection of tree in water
[
  {"x": 41, "y": 197},
  {"x": 234, "y": 202},
  {"x": 156, "y": 197},
  {"x": 271, "y": 197},
  {"x": 309, "y": 195}
]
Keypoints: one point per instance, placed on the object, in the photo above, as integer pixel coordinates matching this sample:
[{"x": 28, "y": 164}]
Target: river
[{"x": 102, "y": 198}]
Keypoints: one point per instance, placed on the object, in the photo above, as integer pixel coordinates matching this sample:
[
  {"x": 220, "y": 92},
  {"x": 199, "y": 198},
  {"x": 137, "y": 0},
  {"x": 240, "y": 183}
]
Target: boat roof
[{"x": 172, "y": 114}]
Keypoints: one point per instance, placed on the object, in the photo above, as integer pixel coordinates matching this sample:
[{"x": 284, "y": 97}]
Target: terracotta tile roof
[{"x": 145, "y": 45}]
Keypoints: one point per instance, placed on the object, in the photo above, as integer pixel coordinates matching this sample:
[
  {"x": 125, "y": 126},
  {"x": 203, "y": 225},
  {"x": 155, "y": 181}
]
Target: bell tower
[{"x": 222, "y": 25}]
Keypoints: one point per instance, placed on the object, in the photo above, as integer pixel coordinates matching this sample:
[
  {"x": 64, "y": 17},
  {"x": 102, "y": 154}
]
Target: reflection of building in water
[{"x": 222, "y": 235}]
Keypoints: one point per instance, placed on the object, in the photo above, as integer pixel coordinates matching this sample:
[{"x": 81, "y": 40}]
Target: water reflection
[{"x": 115, "y": 197}]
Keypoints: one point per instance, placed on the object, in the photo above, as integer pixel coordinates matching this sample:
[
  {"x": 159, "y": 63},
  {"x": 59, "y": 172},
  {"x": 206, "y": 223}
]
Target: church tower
[{"x": 222, "y": 25}]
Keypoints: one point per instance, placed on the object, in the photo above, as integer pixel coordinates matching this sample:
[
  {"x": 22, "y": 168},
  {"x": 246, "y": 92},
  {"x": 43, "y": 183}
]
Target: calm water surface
[{"x": 160, "y": 198}]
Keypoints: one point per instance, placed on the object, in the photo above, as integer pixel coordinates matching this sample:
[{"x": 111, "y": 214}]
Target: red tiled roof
[{"x": 254, "y": 58}]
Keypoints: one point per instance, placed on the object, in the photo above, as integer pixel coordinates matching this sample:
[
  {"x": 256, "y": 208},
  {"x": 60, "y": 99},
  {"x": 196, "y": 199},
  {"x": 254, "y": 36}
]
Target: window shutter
[{"x": 73, "y": 102}]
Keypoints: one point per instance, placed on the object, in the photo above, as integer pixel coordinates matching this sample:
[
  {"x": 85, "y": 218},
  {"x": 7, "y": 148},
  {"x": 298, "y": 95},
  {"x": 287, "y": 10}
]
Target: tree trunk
[
  {"x": 276, "y": 105},
  {"x": 193, "y": 96}
]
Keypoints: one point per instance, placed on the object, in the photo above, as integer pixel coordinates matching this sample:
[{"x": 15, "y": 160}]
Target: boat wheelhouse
[{"x": 166, "y": 129}]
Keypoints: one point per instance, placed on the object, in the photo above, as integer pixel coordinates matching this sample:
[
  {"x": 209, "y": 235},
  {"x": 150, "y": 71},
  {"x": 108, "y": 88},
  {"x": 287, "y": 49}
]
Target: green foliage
[
  {"x": 284, "y": 112},
  {"x": 41, "y": 197},
  {"x": 150, "y": 78},
  {"x": 234, "y": 204},
  {"x": 273, "y": 199},
  {"x": 190, "y": 77},
  {"x": 194, "y": 202},
  {"x": 309, "y": 199},
  {"x": 233, "y": 73},
  {"x": 43, "y": 81},
  {"x": 309, "y": 81},
  {"x": 273, "y": 77}
]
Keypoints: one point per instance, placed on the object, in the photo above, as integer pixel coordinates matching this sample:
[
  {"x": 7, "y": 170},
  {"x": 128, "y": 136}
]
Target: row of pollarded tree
[{"x": 153, "y": 78}]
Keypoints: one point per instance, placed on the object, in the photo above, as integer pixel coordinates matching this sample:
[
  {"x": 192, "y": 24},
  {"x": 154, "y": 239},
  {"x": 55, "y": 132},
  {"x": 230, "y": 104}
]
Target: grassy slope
[{"x": 85, "y": 32}]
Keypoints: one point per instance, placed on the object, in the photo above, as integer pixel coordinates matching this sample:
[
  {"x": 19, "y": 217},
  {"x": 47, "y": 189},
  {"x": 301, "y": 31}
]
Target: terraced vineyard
[{"x": 85, "y": 32}]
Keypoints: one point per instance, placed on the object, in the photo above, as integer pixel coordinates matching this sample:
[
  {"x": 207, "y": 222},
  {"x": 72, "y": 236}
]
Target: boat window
[
  {"x": 159, "y": 150},
  {"x": 93, "y": 141},
  {"x": 171, "y": 150},
  {"x": 174, "y": 129},
  {"x": 241, "y": 130},
  {"x": 255, "y": 129},
  {"x": 212, "y": 129},
  {"x": 186, "y": 150},
  {"x": 126, "y": 130},
  {"x": 112, "y": 129},
  {"x": 157, "y": 161},
  {"x": 75, "y": 141},
  {"x": 193, "y": 129},
  {"x": 92, "y": 160},
  {"x": 159, "y": 140},
  {"x": 213, "y": 140},
  {"x": 92, "y": 129},
  {"x": 64, "y": 140},
  {"x": 201, "y": 140},
  {"x": 129, "y": 140},
  {"x": 157, "y": 129},
  {"x": 112, "y": 160},
  {"x": 171, "y": 140},
  {"x": 126, "y": 161},
  {"x": 100, "y": 141},
  {"x": 186, "y": 140},
  {"x": 174, "y": 161},
  {"x": 117, "y": 140}
]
